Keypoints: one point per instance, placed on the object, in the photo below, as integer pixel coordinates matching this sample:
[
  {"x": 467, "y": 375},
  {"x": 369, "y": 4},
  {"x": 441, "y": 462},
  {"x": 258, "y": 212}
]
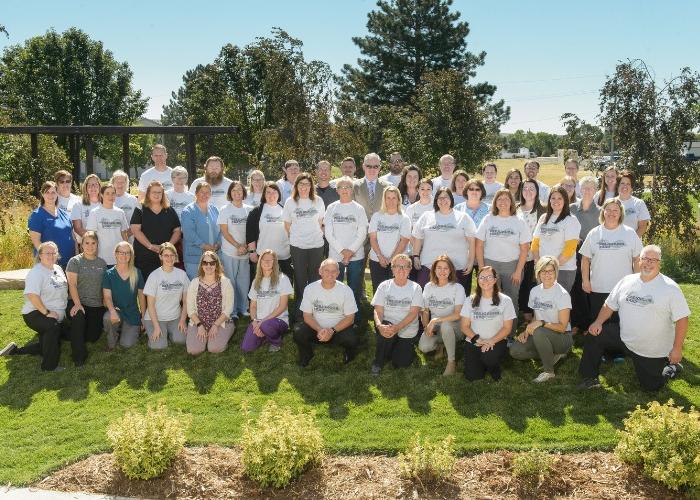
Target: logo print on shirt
[
  {"x": 638, "y": 300},
  {"x": 110, "y": 224},
  {"x": 435, "y": 303},
  {"x": 171, "y": 286},
  {"x": 392, "y": 301},
  {"x": 542, "y": 305},
  {"x": 344, "y": 219},
  {"x": 611, "y": 245},
  {"x": 272, "y": 219},
  {"x": 548, "y": 230},
  {"x": 304, "y": 214},
  {"x": 266, "y": 294},
  {"x": 238, "y": 220},
  {"x": 486, "y": 315},
  {"x": 320, "y": 307},
  {"x": 496, "y": 232},
  {"x": 387, "y": 228},
  {"x": 443, "y": 228}
]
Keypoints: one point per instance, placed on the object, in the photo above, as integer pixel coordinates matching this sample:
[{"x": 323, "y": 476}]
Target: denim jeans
[
  {"x": 355, "y": 270},
  {"x": 238, "y": 271}
]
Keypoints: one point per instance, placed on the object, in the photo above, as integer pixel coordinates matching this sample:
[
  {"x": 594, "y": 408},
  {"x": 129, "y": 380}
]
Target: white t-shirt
[
  {"x": 128, "y": 203},
  {"x": 253, "y": 199},
  {"x": 218, "y": 192},
  {"x": 154, "y": 175},
  {"x": 345, "y": 227},
  {"x": 502, "y": 237},
  {"x": 391, "y": 179},
  {"x": 648, "y": 312},
  {"x": 439, "y": 182},
  {"x": 235, "y": 219},
  {"x": 328, "y": 307},
  {"x": 491, "y": 189},
  {"x": 611, "y": 253},
  {"x": 635, "y": 211},
  {"x": 530, "y": 219},
  {"x": 305, "y": 217},
  {"x": 68, "y": 202},
  {"x": 390, "y": 229},
  {"x": 415, "y": 210},
  {"x": 442, "y": 300},
  {"x": 178, "y": 201},
  {"x": 544, "y": 192},
  {"x": 487, "y": 319},
  {"x": 50, "y": 285},
  {"x": 108, "y": 223},
  {"x": 82, "y": 212},
  {"x": 553, "y": 237},
  {"x": 286, "y": 189},
  {"x": 167, "y": 288},
  {"x": 546, "y": 303},
  {"x": 445, "y": 234},
  {"x": 397, "y": 302},
  {"x": 272, "y": 233},
  {"x": 268, "y": 298}
]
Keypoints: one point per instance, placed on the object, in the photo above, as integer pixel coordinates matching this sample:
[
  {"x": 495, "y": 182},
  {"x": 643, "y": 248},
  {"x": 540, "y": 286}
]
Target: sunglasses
[{"x": 208, "y": 262}]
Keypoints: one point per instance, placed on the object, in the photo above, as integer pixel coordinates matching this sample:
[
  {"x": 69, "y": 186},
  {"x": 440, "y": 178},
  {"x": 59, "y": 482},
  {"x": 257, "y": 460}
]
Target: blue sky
[{"x": 546, "y": 57}]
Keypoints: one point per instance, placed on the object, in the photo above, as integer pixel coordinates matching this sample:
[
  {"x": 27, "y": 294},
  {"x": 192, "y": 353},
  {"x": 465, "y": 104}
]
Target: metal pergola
[{"x": 76, "y": 132}]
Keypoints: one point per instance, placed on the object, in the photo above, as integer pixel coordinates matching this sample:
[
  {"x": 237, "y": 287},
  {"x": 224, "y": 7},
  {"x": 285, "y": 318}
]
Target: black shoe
[
  {"x": 304, "y": 362},
  {"x": 376, "y": 370},
  {"x": 348, "y": 356},
  {"x": 9, "y": 349},
  {"x": 589, "y": 383}
]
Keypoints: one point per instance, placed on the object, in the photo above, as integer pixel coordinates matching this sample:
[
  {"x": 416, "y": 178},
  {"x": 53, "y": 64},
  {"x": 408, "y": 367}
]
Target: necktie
[{"x": 370, "y": 185}]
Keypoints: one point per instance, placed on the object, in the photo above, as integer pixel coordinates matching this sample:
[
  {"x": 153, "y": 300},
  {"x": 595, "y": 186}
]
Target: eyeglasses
[
  {"x": 48, "y": 253},
  {"x": 119, "y": 252},
  {"x": 339, "y": 188},
  {"x": 208, "y": 262},
  {"x": 404, "y": 267},
  {"x": 305, "y": 183},
  {"x": 474, "y": 190},
  {"x": 444, "y": 198},
  {"x": 372, "y": 167},
  {"x": 650, "y": 260},
  {"x": 167, "y": 255},
  {"x": 547, "y": 271},
  {"x": 486, "y": 277}
]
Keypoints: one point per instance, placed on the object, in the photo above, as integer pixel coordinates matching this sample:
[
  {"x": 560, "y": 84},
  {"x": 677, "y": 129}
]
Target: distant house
[
  {"x": 691, "y": 150},
  {"x": 521, "y": 153}
]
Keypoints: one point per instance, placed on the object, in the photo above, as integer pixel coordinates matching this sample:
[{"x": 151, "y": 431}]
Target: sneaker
[
  {"x": 8, "y": 349},
  {"x": 376, "y": 370},
  {"x": 672, "y": 370},
  {"x": 557, "y": 358},
  {"x": 245, "y": 314},
  {"x": 589, "y": 383},
  {"x": 543, "y": 377},
  {"x": 618, "y": 360},
  {"x": 450, "y": 369},
  {"x": 274, "y": 348}
]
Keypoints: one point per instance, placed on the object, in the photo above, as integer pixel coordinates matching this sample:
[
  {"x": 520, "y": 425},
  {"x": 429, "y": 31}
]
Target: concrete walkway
[
  {"x": 37, "y": 494},
  {"x": 13, "y": 280}
]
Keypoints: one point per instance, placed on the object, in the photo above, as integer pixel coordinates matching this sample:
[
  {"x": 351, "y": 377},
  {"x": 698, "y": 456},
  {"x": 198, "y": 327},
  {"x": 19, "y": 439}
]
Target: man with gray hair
[
  {"x": 160, "y": 171},
  {"x": 447, "y": 167},
  {"x": 368, "y": 191},
  {"x": 653, "y": 325}
]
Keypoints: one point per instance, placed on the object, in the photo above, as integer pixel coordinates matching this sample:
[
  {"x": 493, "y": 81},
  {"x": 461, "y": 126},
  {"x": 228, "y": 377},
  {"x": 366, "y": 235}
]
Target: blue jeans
[
  {"x": 355, "y": 269},
  {"x": 238, "y": 271},
  {"x": 191, "y": 269}
]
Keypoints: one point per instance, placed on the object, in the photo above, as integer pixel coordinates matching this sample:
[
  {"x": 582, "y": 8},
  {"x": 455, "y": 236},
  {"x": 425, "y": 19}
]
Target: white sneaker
[
  {"x": 543, "y": 377},
  {"x": 274, "y": 348},
  {"x": 557, "y": 358}
]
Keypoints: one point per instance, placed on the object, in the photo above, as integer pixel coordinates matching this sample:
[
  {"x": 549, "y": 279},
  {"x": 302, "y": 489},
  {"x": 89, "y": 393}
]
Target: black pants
[
  {"x": 84, "y": 328},
  {"x": 378, "y": 274},
  {"x": 49, "y": 344},
  {"x": 306, "y": 262},
  {"x": 401, "y": 352},
  {"x": 477, "y": 364},
  {"x": 580, "y": 307},
  {"x": 525, "y": 287},
  {"x": 648, "y": 369},
  {"x": 597, "y": 300},
  {"x": 305, "y": 338}
]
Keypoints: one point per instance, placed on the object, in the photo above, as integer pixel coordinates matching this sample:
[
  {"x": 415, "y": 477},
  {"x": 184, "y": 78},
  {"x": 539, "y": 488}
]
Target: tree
[
  {"x": 650, "y": 123},
  {"x": 281, "y": 102},
  {"x": 584, "y": 137},
  {"x": 408, "y": 38},
  {"x": 445, "y": 116}
]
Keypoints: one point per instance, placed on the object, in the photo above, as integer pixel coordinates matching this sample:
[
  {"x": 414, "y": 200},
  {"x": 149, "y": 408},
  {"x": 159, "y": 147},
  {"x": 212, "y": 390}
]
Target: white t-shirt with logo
[
  {"x": 235, "y": 219},
  {"x": 439, "y": 182},
  {"x": 68, "y": 202},
  {"x": 286, "y": 189},
  {"x": 415, "y": 210},
  {"x": 648, "y": 312},
  {"x": 391, "y": 179},
  {"x": 178, "y": 201},
  {"x": 152, "y": 174},
  {"x": 272, "y": 233},
  {"x": 108, "y": 223},
  {"x": 82, "y": 212},
  {"x": 50, "y": 285},
  {"x": 345, "y": 227},
  {"x": 502, "y": 237},
  {"x": 611, "y": 253},
  {"x": 442, "y": 300},
  {"x": 554, "y": 236},
  {"x": 167, "y": 289},
  {"x": 328, "y": 307},
  {"x": 305, "y": 217},
  {"x": 253, "y": 199},
  {"x": 267, "y": 299},
  {"x": 445, "y": 234},
  {"x": 635, "y": 211},
  {"x": 397, "y": 302},
  {"x": 128, "y": 203},
  {"x": 390, "y": 229},
  {"x": 486, "y": 318},
  {"x": 218, "y": 192},
  {"x": 547, "y": 302}
]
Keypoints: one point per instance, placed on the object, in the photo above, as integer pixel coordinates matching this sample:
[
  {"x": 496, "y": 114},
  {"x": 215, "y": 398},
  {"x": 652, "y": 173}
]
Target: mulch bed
[{"x": 216, "y": 472}]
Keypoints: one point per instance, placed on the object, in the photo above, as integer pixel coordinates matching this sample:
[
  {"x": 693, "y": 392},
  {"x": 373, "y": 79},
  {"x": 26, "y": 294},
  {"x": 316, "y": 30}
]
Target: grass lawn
[{"x": 47, "y": 420}]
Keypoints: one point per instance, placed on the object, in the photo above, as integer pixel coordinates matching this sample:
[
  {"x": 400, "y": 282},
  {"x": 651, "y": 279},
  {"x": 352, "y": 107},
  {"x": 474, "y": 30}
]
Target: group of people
[{"x": 185, "y": 264}]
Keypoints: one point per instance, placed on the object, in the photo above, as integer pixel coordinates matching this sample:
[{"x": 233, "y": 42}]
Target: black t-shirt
[
  {"x": 158, "y": 228},
  {"x": 328, "y": 194}
]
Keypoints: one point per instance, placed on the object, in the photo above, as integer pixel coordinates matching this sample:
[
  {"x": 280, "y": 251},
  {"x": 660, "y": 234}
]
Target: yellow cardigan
[{"x": 226, "y": 296}]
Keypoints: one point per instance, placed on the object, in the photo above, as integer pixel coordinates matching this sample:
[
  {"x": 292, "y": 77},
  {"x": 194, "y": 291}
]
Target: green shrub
[
  {"x": 16, "y": 202},
  {"x": 532, "y": 466},
  {"x": 681, "y": 259},
  {"x": 146, "y": 444},
  {"x": 428, "y": 461},
  {"x": 280, "y": 445},
  {"x": 665, "y": 440}
]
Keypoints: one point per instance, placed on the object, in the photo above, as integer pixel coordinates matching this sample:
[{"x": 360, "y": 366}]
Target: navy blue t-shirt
[{"x": 58, "y": 229}]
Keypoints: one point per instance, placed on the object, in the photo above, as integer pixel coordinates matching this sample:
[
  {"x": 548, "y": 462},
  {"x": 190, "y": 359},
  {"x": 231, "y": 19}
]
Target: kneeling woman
[
  {"x": 269, "y": 296},
  {"x": 548, "y": 336},
  {"x": 209, "y": 306},
  {"x": 397, "y": 303},
  {"x": 443, "y": 298},
  {"x": 487, "y": 319}
]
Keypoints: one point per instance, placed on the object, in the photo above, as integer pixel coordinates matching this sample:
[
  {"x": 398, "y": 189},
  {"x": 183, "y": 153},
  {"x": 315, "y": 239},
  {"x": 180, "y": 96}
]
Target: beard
[{"x": 214, "y": 180}]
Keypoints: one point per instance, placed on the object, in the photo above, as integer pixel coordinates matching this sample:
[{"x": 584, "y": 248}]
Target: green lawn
[{"x": 47, "y": 420}]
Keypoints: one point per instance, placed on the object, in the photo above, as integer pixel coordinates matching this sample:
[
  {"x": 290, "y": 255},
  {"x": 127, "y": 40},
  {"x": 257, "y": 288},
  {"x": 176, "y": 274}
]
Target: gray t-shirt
[
  {"x": 587, "y": 218},
  {"x": 89, "y": 278}
]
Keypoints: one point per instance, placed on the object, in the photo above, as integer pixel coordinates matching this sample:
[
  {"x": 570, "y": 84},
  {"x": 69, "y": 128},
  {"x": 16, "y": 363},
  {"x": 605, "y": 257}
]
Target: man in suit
[{"x": 368, "y": 191}]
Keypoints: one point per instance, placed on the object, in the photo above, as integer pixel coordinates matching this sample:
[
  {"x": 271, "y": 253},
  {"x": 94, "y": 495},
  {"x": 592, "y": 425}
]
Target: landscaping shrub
[
  {"x": 532, "y": 466},
  {"x": 16, "y": 202},
  {"x": 280, "y": 445},
  {"x": 146, "y": 444},
  {"x": 665, "y": 440},
  {"x": 428, "y": 461},
  {"x": 681, "y": 259}
]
